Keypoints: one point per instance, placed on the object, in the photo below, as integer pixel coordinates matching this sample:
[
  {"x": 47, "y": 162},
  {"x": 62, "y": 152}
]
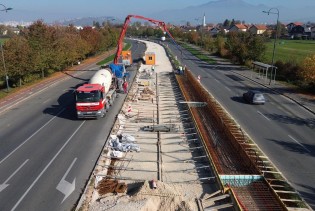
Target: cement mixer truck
[{"x": 94, "y": 98}]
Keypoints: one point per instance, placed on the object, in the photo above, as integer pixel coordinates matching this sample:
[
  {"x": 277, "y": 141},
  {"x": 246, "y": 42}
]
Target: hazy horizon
[{"x": 51, "y": 11}]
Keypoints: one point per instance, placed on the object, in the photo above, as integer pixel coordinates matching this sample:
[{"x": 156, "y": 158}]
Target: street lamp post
[
  {"x": 274, "y": 43},
  {"x": 4, "y": 68},
  {"x": 5, "y": 8}
]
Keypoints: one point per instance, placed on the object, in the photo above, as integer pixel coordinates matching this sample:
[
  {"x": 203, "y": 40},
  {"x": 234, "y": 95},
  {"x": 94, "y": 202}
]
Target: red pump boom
[{"x": 124, "y": 29}]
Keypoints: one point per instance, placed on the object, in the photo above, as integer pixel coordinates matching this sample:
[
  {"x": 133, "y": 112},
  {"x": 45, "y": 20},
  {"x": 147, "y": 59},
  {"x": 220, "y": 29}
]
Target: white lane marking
[
  {"x": 263, "y": 115},
  {"x": 31, "y": 136},
  {"x": 228, "y": 89},
  {"x": 46, "y": 100},
  {"x": 299, "y": 143},
  {"x": 43, "y": 171},
  {"x": 216, "y": 80},
  {"x": 4, "y": 184},
  {"x": 64, "y": 186}
]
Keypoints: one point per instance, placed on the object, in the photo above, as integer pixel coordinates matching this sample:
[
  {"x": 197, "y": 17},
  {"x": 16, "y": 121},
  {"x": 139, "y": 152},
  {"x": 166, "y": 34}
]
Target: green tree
[
  {"x": 227, "y": 23},
  {"x": 96, "y": 24},
  {"x": 208, "y": 43},
  {"x": 233, "y": 22},
  {"x": 244, "y": 46},
  {"x": 220, "y": 44}
]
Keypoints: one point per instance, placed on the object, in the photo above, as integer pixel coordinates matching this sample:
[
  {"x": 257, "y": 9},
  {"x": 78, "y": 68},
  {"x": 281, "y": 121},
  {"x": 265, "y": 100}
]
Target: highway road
[
  {"x": 282, "y": 129},
  {"x": 46, "y": 154}
]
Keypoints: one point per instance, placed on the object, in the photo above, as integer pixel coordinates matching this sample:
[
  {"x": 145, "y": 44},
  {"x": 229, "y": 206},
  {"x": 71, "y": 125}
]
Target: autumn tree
[
  {"x": 18, "y": 60},
  {"x": 193, "y": 37},
  {"x": 308, "y": 70},
  {"x": 92, "y": 37},
  {"x": 176, "y": 32},
  {"x": 41, "y": 39}
]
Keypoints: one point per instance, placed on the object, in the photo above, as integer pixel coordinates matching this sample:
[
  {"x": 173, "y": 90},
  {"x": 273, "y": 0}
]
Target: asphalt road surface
[
  {"x": 46, "y": 154},
  {"x": 281, "y": 128}
]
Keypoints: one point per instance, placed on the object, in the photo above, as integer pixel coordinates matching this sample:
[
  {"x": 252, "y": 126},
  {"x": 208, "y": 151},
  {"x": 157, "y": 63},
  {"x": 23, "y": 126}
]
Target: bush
[
  {"x": 288, "y": 71},
  {"x": 307, "y": 72},
  {"x": 245, "y": 46}
]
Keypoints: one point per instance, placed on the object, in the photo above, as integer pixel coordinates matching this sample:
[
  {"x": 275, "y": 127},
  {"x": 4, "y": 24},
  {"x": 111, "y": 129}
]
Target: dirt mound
[{"x": 142, "y": 197}]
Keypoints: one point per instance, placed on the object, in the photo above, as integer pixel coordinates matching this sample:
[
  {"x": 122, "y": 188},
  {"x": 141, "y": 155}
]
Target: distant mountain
[
  {"x": 88, "y": 21},
  {"x": 218, "y": 11}
]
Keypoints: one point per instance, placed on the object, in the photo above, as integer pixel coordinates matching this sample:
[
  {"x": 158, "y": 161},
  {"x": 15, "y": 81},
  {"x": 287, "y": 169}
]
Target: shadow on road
[
  {"x": 291, "y": 146},
  {"x": 65, "y": 108},
  {"x": 309, "y": 122},
  {"x": 72, "y": 76},
  {"x": 239, "y": 99}
]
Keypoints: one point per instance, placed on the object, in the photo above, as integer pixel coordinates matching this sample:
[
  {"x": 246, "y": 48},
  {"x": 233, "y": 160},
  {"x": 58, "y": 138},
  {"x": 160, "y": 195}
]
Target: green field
[{"x": 290, "y": 50}]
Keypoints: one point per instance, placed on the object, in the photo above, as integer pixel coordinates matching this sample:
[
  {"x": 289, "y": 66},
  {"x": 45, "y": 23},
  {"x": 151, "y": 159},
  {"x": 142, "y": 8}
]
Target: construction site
[{"x": 174, "y": 147}]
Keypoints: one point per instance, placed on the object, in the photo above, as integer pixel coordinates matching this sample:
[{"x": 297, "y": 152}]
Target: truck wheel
[
  {"x": 103, "y": 113},
  {"x": 107, "y": 107}
]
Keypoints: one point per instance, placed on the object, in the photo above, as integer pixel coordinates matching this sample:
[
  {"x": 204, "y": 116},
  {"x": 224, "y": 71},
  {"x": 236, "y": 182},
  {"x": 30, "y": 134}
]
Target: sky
[{"x": 52, "y": 10}]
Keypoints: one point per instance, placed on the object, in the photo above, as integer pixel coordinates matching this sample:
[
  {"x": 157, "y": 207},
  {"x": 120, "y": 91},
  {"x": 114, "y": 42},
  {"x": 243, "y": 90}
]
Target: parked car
[{"x": 254, "y": 97}]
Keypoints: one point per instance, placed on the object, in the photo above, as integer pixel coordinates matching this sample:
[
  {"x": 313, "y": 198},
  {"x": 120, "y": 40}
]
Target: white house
[
  {"x": 238, "y": 28},
  {"x": 257, "y": 29}
]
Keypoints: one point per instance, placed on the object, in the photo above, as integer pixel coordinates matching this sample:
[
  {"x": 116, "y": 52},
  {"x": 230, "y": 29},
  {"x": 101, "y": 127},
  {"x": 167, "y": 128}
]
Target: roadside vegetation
[
  {"x": 40, "y": 50},
  {"x": 293, "y": 58},
  {"x": 198, "y": 53},
  {"x": 111, "y": 57}
]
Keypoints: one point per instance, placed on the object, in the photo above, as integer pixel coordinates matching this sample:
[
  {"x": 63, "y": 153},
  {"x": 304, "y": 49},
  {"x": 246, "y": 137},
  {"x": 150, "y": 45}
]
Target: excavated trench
[{"x": 240, "y": 165}]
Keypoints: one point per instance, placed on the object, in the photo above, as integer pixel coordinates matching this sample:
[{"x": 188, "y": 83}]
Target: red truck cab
[{"x": 90, "y": 102}]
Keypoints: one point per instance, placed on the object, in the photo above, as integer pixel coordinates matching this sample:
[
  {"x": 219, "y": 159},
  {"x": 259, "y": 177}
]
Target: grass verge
[{"x": 199, "y": 54}]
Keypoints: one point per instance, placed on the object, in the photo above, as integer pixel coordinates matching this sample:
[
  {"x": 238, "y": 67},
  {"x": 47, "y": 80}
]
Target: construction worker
[{"x": 125, "y": 86}]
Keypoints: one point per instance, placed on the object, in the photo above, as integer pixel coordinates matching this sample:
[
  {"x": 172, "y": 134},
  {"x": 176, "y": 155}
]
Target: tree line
[
  {"x": 244, "y": 47},
  {"x": 42, "y": 49},
  {"x": 239, "y": 47}
]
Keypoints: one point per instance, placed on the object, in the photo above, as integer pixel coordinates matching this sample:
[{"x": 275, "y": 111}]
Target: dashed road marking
[
  {"x": 299, "y": 143},
  {"x": 263, "y": 115}
]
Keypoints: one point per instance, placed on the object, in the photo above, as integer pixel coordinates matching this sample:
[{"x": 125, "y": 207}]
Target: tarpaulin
[{"x": 117, "y": 70}]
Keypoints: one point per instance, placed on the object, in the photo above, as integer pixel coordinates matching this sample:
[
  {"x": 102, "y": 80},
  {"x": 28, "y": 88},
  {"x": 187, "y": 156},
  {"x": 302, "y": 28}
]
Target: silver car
[{"x": 254, "y": 97}]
